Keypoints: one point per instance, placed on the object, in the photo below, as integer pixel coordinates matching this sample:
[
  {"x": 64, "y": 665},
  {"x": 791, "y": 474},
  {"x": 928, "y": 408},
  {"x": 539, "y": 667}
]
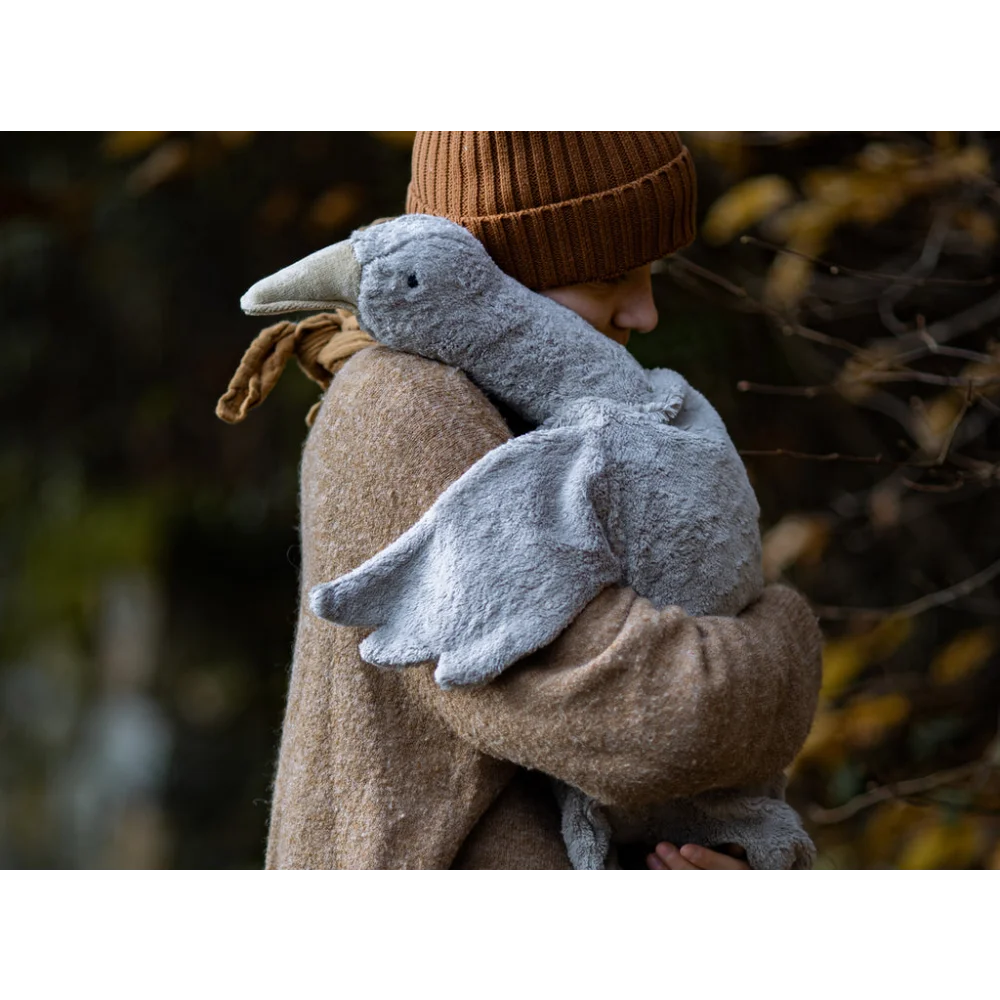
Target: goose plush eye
[{"x": 412, "y": 281}]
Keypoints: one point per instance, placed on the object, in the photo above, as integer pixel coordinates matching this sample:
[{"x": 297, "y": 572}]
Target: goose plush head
[
  {"x": 386, "y": 273},
  {"x": 426, "y": 285}
]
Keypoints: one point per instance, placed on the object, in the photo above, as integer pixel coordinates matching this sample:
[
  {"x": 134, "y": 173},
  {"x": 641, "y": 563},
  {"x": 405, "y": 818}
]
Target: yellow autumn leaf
[
  {"x": 935, "y": 420},
  {"x": 945, "y": 141},
  {"x": 279, "y": 208},
  {"x": 860, "y": 724},
  {"x": 825, "y": 743},
  {"x": 727, "y": 149},
  {"x": 993, "y": 864},
  {"x": 888, "y": 827},
  {"x": 877, "y": 197},
  {"x": 964, "y": 164},
  {"x": 885, "y": 505},
  {"x": 745, "y": 204},
  {"x": 964, "y": 655},
  {"x": 887, "y": 637},
  {"x": 233, "y": 140},
  {"x": 402, "y": 140},
  {"x": 788, "y": 138},
  {"x": 804, "y": 226},
  {"x": 846, "y": 657},
  {"x": 866, "y": 192},
  {"x": 942, "y": 845},
  {"x": 333, "y": 208},
  {"x": 883, "y": 157},
  {"x": 164, "y": 162},
  {"x": 979, "y": 225},
  {"x": 843, "y": 660},
  {"x": 119, "y": 145},
  {"x": 854, "y": 381},
  {"x": 787, "y": 281},
  {"x": 831, "y": 185},
  {"x": 866, "y": 720},
  {"x": 904, "y": 176},
  {"x": 795, "y": 538},
  {"x": 835, "y": 858}
]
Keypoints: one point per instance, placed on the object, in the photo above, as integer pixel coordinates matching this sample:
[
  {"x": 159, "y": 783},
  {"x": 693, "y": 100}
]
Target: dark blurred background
[{"x": 840, "y": 309}]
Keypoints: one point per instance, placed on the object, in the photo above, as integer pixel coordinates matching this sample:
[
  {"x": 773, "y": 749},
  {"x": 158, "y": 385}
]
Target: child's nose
[{"x": 637, "y": 311}]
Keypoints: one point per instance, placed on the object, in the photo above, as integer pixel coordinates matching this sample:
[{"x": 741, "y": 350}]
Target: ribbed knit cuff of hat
[{"x": 560, "y": 208}]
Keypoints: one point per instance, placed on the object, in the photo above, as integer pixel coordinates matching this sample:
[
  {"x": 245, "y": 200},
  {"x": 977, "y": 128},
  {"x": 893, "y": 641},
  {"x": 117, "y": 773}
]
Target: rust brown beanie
[{"x": 560, "y": 208}]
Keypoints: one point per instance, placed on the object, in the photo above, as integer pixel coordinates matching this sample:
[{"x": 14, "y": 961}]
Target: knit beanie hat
[{"x": 560, "y": 208}]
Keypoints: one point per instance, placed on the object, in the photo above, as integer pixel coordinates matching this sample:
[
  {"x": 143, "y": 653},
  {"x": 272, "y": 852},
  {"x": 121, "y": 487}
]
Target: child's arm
[{"x": 637, "y": 706}]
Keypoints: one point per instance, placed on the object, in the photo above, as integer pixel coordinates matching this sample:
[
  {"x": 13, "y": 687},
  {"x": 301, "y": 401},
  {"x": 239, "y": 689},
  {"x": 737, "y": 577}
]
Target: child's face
[{"x": 617, "y": 307}]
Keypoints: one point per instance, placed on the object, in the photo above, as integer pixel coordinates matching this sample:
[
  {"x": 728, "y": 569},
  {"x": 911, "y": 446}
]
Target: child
[
  {"x": 533, "y": 716},
  {"x": 631, "y": 478}
]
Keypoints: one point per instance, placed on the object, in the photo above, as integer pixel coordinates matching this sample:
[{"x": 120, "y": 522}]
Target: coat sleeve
[
  {"x": 631, "y": 704},
  {"x": 635, "y": 705}
]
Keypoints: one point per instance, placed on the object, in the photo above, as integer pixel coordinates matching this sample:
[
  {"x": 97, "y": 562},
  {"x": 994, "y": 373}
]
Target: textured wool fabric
[
  {"x": 383, "y": 769},
  {"x": 559, "y": 208}
]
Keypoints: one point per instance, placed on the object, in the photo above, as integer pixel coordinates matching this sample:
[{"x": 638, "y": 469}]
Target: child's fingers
[
  {"x": 671, "y": 859},
  {"x": 692, "y": 857},
  {"x": 706, "y": 860}
]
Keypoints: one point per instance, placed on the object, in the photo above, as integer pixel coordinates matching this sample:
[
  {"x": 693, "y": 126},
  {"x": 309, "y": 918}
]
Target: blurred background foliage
[{"x": 840, "y": 309}]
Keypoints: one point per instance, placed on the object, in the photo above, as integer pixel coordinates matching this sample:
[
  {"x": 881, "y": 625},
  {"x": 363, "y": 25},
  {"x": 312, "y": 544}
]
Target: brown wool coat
[{"x": 382, "y": 769}]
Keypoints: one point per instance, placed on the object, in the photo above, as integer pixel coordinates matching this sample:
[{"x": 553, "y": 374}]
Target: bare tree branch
[
  {"x": 787, "y": 327},
  {"x": 914, "y": 345},
  {"x": 922, "y": 268},
  {"x": 917, "y": 607},
  {"x": 898, "y": 790},
  {"x": 807, "y": 391},
  {"x": 929, "y": 378},
  {"x": 897, "y": 278}
]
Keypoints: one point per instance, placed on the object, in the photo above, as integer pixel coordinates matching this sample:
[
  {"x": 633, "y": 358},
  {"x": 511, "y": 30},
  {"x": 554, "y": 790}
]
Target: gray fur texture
[{"x": 630, "y": 478}]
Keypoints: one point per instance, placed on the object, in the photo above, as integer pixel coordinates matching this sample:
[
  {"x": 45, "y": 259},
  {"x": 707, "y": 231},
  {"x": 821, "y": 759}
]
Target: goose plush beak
[{"x": 327, "y": 279}]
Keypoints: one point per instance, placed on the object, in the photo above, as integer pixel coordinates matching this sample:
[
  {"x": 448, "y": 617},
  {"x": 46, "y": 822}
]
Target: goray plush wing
[{"x": 502, "y": 562}]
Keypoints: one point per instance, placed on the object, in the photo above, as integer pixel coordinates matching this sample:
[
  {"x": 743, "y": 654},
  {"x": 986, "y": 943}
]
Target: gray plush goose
[{"x": 629, "y": 478}]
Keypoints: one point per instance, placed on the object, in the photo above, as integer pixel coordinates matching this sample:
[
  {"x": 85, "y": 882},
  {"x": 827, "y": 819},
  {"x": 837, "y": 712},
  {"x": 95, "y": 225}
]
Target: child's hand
[{"x": 668, "y": 858}]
